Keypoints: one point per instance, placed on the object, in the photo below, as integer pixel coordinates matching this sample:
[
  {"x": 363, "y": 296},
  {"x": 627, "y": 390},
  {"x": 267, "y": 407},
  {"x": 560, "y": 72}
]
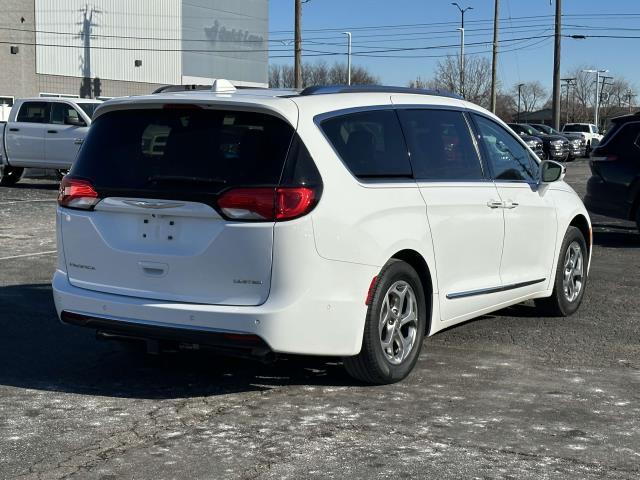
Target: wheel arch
[
  {"x": 582, "y": 224},
  {"x": 419, "y": 264}
]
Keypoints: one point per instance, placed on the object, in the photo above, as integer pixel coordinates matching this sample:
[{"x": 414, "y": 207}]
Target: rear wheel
[
  {"x": 10, "y": 175},
  {"x": 394, "y": 329},
  {"x": 571, "y": 277}
]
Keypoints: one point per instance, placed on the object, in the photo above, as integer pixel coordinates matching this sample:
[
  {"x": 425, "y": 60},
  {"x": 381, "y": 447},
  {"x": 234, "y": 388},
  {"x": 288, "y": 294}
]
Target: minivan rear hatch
[{"x": 157, "y": 230}]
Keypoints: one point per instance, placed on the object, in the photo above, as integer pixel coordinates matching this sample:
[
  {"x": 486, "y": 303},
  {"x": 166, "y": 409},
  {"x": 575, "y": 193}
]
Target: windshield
[
  {"x": 189, "y": 152},
  {"x": 532, "y": 131},
  {"x": 89, "y": 108},
  {"x": 576, "y": 128}
]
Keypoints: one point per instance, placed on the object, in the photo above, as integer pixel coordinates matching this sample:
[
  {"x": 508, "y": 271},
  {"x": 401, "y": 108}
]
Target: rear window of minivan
[{"x": 182, "y": 152}]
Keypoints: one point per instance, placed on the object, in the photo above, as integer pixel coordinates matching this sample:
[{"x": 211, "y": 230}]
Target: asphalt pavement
[{"x": 511, "y": 395}]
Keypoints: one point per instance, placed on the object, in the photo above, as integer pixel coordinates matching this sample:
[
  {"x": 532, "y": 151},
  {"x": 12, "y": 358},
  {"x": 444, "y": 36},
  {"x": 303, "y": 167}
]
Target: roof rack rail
[
  {"x": 188, "y": 88},
  {"x": 327, "y": 89}
]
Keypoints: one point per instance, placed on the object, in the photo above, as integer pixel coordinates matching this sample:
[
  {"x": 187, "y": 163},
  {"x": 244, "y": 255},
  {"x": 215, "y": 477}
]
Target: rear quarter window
[{"x": 371, "y": 144}]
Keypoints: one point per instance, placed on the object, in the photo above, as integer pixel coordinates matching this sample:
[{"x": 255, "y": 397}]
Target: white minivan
[
  {"x": 337, "y": 221},
  {"x": 43, "y": 132}
]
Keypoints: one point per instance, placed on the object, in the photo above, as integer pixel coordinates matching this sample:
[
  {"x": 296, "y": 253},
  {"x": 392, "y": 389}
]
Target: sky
[{"x": 526, "y": 36}]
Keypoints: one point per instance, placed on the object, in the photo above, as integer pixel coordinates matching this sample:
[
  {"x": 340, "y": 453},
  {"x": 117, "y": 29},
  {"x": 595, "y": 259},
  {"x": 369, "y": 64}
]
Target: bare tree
[
  {"x": 281, "y": 76},
  {"x": 477, "y": 72},
  {"x": 532, "y": 96}
]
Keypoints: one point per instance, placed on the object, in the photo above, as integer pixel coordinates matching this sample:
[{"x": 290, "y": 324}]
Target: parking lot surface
[{"x": 511, "y": 395}]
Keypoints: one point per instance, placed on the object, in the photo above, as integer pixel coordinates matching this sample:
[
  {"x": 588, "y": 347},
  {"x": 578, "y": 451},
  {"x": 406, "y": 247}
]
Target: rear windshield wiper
[{"x": 185, "y": 179}]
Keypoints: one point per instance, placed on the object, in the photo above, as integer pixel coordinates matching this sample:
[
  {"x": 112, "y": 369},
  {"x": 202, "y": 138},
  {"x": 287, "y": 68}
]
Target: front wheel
[
  {"x": 394, "y": 329},
  {"x": 570, "y": 279},
  {"x": 10, "y": 175}
]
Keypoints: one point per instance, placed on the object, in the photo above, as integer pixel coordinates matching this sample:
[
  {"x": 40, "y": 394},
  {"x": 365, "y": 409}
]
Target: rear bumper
[{"x": 324, "y": 316}]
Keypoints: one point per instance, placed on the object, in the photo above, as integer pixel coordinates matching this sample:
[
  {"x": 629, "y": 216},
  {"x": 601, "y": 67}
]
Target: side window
[
  {"x": 63, "y": 114},
  {"x": 508, "y": 158},
  {"x": 370, "y": 143},
  {"x": 440, "y": 144},
  {"x": 34, "y": 112},
  {"x": 626, "y": 136}
]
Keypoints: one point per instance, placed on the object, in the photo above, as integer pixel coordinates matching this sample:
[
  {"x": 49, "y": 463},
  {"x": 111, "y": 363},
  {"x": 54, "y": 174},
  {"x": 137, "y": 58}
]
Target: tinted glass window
[
  {"x": 370, "y": 143},
  {"x": 508, "y": 158},
  {"x": 624, "y": 139},
  {"x": 34, "y": 112},
  {"x": 62, "y": 113},
  {"x": 189, "y": 152},
  {"x": 576, "y": 128},
  {"x": 440, "y": 145},
  {"x": 89, "y": 108}
]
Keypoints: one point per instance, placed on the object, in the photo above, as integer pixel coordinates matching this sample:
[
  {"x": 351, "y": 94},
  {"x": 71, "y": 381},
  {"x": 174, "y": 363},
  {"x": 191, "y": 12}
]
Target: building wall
[
  {"x": 17, "y": 72},
  {"x": 105, "y": 38},
  {"x": 217, "y": 36},
  {"x": 109, "y": 88}
]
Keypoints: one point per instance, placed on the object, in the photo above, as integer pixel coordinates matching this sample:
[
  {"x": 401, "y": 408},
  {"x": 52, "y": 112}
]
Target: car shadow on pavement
[
  {"x": 615, "y": 236},
  {"x": 38, "y": 352},
  {"x": 26, "y": 185}
]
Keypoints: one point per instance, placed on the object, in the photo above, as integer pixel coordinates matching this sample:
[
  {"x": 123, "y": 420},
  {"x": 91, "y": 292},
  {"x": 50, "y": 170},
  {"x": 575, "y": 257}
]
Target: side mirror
[
  {"x": 76, "y": 122},
  {"x": 551, "y": 171}
]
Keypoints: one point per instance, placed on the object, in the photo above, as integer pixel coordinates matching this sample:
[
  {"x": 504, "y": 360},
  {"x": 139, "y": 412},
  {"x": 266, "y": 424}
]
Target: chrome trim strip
[
  {"x": 485, "y": 291},
  {"x": 152, "y": 204}
]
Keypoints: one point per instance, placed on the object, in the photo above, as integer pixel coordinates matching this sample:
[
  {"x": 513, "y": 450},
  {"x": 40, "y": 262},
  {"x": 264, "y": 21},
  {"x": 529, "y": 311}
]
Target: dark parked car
[
  {"x": 535, "y": 144},
  {"x": 556, "y": 147},
  {"x": 577, "y": 143},
  {"x": 614, "y": 187}
]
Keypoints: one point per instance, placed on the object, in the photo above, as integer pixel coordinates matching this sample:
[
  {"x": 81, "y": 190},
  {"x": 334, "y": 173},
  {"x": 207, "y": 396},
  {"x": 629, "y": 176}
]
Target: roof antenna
[{"x": 220, "y": 85}]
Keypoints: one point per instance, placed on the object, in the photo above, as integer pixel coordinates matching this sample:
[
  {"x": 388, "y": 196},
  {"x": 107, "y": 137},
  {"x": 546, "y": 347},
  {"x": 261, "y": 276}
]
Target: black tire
[
  {"x": 10, "y": 175},
  {"x": 558, "y": 305},
  {"x": 372, "y": 364}
]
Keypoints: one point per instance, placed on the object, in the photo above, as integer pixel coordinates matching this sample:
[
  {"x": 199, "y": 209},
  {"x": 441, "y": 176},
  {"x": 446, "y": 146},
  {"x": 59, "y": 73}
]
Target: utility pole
[
  {"x": 348, "y": 34},
  {"x": 556, "y": 66},
  {"x": 570, "y": 82},
  {"x": 520, "y": 85},
  {"x": 494, "y": 63},
  {"x": 462, "y": 11},
  {"x": 297, "y": 63}
]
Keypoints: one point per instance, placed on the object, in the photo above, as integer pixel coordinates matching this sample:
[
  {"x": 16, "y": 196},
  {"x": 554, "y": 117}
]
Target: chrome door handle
[
  {"x": 78, "y": 141},
  {"x": 495, "y": 204},
  {"x": 510, "y": 205}
]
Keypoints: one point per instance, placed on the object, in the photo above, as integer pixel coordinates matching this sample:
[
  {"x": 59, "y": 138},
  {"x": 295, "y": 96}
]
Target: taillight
[
  {"x": 76, "y": 193},
  {"x": 273, "y": 204}
]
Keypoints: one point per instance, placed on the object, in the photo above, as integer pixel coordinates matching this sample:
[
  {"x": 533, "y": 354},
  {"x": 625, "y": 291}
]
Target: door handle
[
  {"x": 14, "y": 129},
  {"x": 78, "y": 141},
  {"x": 510, "y": 205},
  {"x": 495, "y": 204},
  {"x": 52, "y": 131}
]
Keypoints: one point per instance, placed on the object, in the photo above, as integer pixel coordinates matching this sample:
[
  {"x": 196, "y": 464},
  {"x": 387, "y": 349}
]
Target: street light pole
[
  {"x": 597, "y": 105},
  {"x": 556, "y": 67},
  {"x": 348, "y": 34},
  {"x": 462, "y": 11},
  {"x": 520, "y": 85}
]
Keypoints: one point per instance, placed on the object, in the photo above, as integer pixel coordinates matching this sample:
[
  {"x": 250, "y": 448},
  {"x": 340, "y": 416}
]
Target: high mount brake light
[
  {"x": 264, "y": 203},
  {"x": 76, "y": 193}
]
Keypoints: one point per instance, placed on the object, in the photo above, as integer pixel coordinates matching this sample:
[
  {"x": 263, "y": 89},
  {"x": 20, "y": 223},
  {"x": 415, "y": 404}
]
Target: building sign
[{"x": 218, "y": 32}]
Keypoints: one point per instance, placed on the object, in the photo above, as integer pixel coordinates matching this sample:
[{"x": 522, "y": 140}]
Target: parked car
[
  {"x": 338, "y": 221},
  {"x": 43, "y": 132},
  {"x": 556, "y": 147},
  {"x": 577, "y": 143},
  {"x": 614, "y": 186},
  {"x": 588, "y": 131}
]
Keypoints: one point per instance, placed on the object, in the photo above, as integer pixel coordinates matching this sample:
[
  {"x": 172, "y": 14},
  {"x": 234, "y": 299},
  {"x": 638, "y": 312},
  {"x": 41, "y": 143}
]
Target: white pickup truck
[
  {"x": 43, "y": 132},
  {"x": 588, "y": 131}
]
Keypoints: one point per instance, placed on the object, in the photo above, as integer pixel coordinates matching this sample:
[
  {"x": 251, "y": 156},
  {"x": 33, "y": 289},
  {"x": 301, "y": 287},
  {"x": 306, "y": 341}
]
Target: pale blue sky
[{"x": 433, "y": 23}]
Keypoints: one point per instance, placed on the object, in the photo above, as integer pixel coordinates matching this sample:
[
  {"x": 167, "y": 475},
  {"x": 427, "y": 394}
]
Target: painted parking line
[
  {"x": 28, "y": 255},
  {"x": 12, "y": 202}
]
